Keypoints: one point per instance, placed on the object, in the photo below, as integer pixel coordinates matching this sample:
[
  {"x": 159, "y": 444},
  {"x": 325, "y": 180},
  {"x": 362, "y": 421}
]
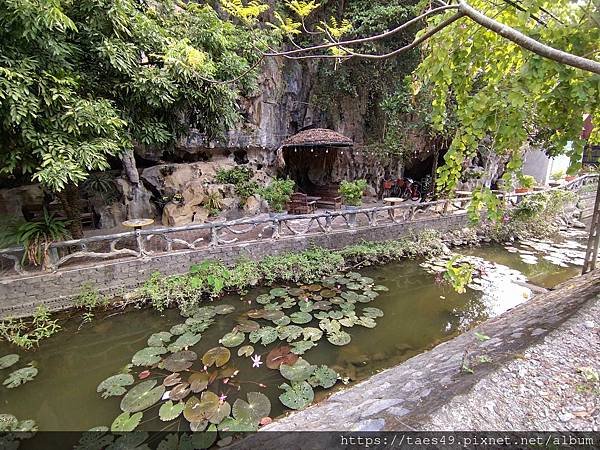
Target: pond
[{"x": 418, "y": 313}]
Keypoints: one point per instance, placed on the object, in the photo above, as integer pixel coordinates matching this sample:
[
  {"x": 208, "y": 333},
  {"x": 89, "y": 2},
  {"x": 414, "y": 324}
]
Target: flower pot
[
  {"x": 570, "y": 178},
  {"x": 350, "y": 207},
  {"x": 277, "y": 214},
  {"x": 521, "y": 190}
]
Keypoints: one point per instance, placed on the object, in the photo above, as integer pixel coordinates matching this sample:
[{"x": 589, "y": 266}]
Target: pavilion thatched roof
[{"x": 317, "y": 137}]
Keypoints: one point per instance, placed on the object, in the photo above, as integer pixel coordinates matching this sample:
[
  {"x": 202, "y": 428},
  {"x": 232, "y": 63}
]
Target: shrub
[
  {"x": 278, "y": 193},
  {"x": 558, "y": 175},
  {"x": 527, "y": 181},
  {"x": 352, "y": 191},
  {"x": 28, "y": 333}
]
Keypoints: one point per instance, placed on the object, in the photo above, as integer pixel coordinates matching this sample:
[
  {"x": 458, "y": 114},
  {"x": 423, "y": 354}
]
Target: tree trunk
[{"x": 71, "y": 203}]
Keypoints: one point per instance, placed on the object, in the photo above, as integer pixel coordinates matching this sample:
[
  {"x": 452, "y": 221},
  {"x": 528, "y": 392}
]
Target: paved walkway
[{"x": 421, "y": 393}]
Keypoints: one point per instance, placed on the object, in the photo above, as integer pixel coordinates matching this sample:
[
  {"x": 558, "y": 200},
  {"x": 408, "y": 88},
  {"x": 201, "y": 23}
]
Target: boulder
[
  {"x": 253, "y": 205},
  {"x": 175, "y": 214},
  {"x": 14, "y": 201}
]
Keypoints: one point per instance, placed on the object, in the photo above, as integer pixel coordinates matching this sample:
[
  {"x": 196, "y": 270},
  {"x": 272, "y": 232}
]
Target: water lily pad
[
  {"x": 20, "y": 376},
  {"x": 148, "y": 356},
  {"x": 197, "y": 326},
  {"x": 380, "y": 288},
  {"x": 337, "y": 300},
  {"x": 178, "y": 329},
  {"x": 142, "y": 396},
  {"x": 296, "y": 292},
  {"x": 280, "y": 355},
  {"x": 371, "y": 295},
  {"x": 315, "y": 287},
  {"x": 366, "y": 280},
  {"x": 245, "y": 350},
  {"x": 256, "y": 313},
  {"x": 8, "y": 360},
  {"x": 329, "y": 325},
  {"x": 224, "y": 309},
  {"x": 336, "y": 314},
  {"x": 246, "y": 325},
  {"x": 205, "y": 312},
  {"x": 373, "y": 313},
  {"x": 285, "y": 320},
  {"x": 172, "y": 379},
  {"x": 219, "y": 356},
  {"x": 158, "y": 339},
  {"x": 349, "y": 296},
  {"x": 305, "y": 307},
  {"x": 233, "y": 339},
  {"x": 354, "y": 286},
  {"x": 178, "y": 361},
  {"x": 273, "y": 307},
  {"x": 339, "y": 338},
  {"x": 252, "y": 411},
  {"x": 290, "y": 332},
  {"x": 366, "y": 322},
  {"x": 126, "y": 422},
  {"x": 346, "y": 307},
  {"x": 198, "y": 410},
  {"x": 115, "y": 385},
  {"x": 348, "y": 321},
  {"x": 265, "y": 335},
  {"x": 273, "y": 315},
  {"x": 312, "y": 334},
  {"x": 231, "y": 425},
  {"x": 328, "y": 293},
  {"x": 299, "y": 371},
  {"x": 199, "y": 426},
  {"x": 278, "y": 292},
  {"x": 198, "y": 381},
  {"x": 297, "y": 395},
  {"x": 353, "y": 275},
  {"x": 179, "y": 392},
  {"x": 300, "y": 347},
  {"x": 323, "y": 376},
  {"x": 328, "y": 281},
  {"x": 170, "y": 411},
  {"x": 321, "y": 315},
  {"x": 184, "y": 341},
  {"x": 300, "y": 317},
  {"x": 322, "y": 305},
  {"x": 222, "y": 410},
  {"x": 263, "y": 299}
]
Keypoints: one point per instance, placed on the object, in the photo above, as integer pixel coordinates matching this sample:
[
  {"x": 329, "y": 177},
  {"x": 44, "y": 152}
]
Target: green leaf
[
  {"x": 219, "y": 356},
  {"x": 312, "y": 334},
  {"x": 245, "y": 350},
  {"x": 339, "y": 338},
  {"x": 481, "y": 337},
  {"x": 323, "y": 376},
  {"x": 278, "y": 292},
  {"x": 126, "y": 422},
  {"x": 142, "y": 396},
  {"x": 266, "y": 335},
  {"x": 184, "y": 341},
  {"x": 232, "y": 339},
  {"x": 224, "y": 309},
  {"x": 178, "y": 361},
  {"x": 300, "y": 317},
  {"x": 373, "y": 313},
  {"x": 298, "y": 371},
  {"x": 290, "y": 332},
  {"x": 300, "y": 347},
  {"x": 115, "y": 385},
  {"x": 20, "y": 376},
  {"x": 252, "y": 411},
  {"x": 8, "y": 360},
  {"x": 298, "y": 395},
  {"x": 170, "y": 411},
  {"x": 159, "y": 339},
  {"x": 148, "y": 356}
]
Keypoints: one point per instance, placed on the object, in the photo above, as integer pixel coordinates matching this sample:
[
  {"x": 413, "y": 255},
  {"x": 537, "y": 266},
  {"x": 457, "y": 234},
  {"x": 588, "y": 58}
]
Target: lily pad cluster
[
  {"x": 173, "y": 382},
  {"x": 17, "y": 377}
]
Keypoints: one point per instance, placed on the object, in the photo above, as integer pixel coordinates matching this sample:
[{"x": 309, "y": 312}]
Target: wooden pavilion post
[{"x": 591, "y": 252}]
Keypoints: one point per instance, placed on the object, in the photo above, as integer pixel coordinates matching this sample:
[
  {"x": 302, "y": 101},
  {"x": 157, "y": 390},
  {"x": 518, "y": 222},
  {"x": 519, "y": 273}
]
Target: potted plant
[
  {"x": 277, "y": 194},
  {"x": 570, "y": 178},
  {"x": 352, "y": 192},
  {"x": 526, "y": 182}
]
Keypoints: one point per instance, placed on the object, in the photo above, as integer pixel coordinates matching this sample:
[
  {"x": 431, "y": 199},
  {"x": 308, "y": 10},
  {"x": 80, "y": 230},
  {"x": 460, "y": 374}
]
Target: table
[
  {"x": 392, "y": 201},
  {"x": 137, "y": 224}
]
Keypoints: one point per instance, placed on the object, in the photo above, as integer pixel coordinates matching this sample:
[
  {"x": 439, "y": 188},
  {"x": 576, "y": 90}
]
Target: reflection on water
[{"x": 419, "y": 313}]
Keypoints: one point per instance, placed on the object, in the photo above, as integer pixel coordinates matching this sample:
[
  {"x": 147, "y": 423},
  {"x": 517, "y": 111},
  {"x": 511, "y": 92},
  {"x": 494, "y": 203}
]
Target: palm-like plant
[{"x": 37, "y": 235}]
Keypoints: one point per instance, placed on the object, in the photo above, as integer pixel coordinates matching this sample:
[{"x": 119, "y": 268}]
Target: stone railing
[{"x": 146, "y": 243}]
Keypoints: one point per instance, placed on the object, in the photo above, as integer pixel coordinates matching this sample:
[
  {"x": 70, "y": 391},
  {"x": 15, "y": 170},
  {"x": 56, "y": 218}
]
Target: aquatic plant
[
  {"x": 27, "y": 333},
  {"x": 177, "y": 384},
  {"x": 458, "y": 274}
]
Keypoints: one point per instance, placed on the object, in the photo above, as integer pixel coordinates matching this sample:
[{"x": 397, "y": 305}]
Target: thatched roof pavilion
[{"x": 317, "y": 137}]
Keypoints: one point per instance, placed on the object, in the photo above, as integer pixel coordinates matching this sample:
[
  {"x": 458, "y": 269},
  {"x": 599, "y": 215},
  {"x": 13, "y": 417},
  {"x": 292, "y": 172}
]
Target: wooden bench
[
  {"x": 300, "y": 204},
  {"x": 330, "y": 196}
]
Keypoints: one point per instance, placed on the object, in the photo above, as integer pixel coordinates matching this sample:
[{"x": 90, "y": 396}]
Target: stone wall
[{"x": 20, "y": 296}]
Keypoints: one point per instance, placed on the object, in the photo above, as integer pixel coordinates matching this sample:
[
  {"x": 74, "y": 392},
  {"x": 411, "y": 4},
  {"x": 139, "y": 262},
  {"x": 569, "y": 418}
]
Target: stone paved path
[
  {"x": 554, "y": 386},
  {"x": 408, "y": 396}
]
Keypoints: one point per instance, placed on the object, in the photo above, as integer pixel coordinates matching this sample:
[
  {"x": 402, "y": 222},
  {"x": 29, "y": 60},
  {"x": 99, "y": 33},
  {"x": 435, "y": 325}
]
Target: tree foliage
[
  {"x": 82, "y": 80},
  {"x": 506, "y": 95}
]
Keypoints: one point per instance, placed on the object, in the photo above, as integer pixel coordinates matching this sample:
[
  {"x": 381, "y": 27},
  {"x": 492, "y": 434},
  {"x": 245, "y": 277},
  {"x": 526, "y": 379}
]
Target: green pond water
[{"x": 419, "y": 313}]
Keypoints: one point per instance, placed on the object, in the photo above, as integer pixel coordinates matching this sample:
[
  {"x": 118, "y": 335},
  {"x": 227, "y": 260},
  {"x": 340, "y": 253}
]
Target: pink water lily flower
[
  {"x": 222, "y": 398},
  {"x": 256, "y": 362}
]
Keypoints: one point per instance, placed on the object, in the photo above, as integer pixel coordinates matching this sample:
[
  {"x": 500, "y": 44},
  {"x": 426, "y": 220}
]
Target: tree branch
[
  {"x": 367, "y": 39},
  {"x": 528, "y": 43}
]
